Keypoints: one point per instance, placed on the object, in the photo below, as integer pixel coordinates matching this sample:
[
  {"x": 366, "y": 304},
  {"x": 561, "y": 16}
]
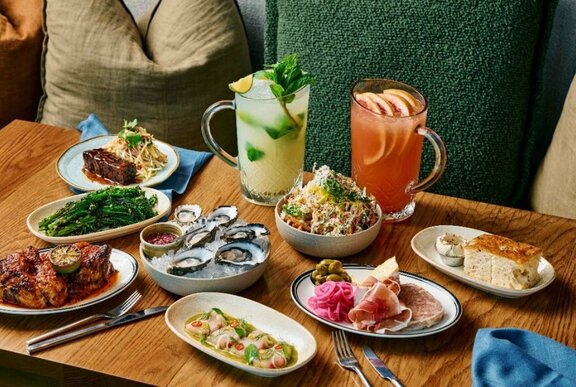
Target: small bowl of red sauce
[{"x": 159, "y": 238}]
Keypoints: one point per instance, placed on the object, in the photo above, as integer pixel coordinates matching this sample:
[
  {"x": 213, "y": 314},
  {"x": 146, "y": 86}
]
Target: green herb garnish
[
  {"x": 250, "y": 354},
  {"x": 293, "y": 209},
  {"x": 334, "y": 188},
  {"x": 287, "y": 77},
  {"x": 127, "y": 133},
  {"x": 253, "y": 153}
]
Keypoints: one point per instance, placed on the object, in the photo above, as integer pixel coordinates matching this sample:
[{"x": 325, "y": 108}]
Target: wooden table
[{"x": 148, "y": 352}]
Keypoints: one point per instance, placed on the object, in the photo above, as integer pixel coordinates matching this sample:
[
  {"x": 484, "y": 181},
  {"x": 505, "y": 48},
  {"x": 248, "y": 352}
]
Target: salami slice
[{"x": 426, "y": 310}]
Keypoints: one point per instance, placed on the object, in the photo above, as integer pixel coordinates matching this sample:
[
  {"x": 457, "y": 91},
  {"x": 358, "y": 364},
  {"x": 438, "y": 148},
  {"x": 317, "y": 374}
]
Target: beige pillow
[
  {"x": 96, "y": 61},
  {"x": 554, "y": 189}
]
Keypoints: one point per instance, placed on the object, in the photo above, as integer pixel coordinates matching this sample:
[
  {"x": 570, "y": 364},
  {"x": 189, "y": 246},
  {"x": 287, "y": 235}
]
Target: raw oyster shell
[
  {"x": 190, "y": 261},
  {"x": 200, "y": 235},
  {"x": 241, "y": 253},
  {"x": 223, "y": 215},
  {"x": 247, "y": 231},
  {"x": 187, "y": 213}
]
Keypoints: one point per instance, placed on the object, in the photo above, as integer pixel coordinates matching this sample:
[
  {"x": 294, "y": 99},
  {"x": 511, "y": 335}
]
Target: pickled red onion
[{"x": 333, "y": 300}]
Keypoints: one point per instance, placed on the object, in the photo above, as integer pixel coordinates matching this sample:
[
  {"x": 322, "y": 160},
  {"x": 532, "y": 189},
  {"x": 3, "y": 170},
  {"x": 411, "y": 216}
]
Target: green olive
[
  {"x": 322, "y": 270},
  {"x": 335, "y": 267},
  {"x": 334, "y": 277}
]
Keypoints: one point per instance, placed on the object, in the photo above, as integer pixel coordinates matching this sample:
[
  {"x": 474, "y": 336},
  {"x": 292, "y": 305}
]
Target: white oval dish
[
  {"x": 71, "y": 163},
  {"x": 127, "y": 270},
  {"x": 262, "y": 317},
  {"x": 162, "y": 208},
  {"x": 184, "y": 286},
  {"x": 326, "y": 246},
  {"x": 423, "y": 245},
  {"x": 302, "y": 289}
]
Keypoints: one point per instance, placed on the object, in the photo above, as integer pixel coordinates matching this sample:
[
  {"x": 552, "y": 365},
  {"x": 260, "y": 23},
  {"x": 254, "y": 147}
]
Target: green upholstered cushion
[
  {"x": 97, "y": 61},
  {"x": 473, "y": 60}
]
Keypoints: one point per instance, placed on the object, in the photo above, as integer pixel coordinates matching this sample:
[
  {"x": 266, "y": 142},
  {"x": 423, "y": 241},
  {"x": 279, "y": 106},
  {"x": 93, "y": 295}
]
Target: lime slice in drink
[
  {"x": 242, "y": 85},
  {"x": 65, "y": 258}
]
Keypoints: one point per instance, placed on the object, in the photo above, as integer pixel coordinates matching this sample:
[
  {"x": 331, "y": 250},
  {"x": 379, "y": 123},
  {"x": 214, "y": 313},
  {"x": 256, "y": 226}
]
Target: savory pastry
[{"x": 502, "y": 262}]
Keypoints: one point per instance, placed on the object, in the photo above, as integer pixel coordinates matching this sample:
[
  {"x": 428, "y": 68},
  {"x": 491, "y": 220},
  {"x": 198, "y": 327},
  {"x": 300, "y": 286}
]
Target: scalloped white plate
[
  {"x": 127, "y": 269},
  {"x": 423, "y": 245},
  {"x": 162, "y": 208},
  {"x": 71, "y": 163},
  {"x": 262, "y": 317},
  {"x": 302, "y": 289}
]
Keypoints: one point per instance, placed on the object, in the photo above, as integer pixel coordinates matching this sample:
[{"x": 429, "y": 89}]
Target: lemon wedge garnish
[{"x": 242, "y": 85}]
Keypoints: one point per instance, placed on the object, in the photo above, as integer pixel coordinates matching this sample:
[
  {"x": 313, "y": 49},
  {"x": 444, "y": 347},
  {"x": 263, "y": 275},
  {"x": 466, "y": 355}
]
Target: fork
[
  {"x": 112, "y": 313},
  {"x": 346, "y": 358}
]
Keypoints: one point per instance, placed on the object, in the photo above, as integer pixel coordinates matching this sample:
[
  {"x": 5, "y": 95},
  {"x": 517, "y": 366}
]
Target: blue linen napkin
[
  {"x": 516, "y": 357},
  {"x": 190, "y": 161}
]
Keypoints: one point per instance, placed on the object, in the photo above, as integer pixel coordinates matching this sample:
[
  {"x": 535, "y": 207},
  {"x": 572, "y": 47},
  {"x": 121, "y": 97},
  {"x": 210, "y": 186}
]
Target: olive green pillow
[
  {"x": 554, "y": 189},
  {"x": 473, "y": 60},
  {"x": 97, "y": 61}
]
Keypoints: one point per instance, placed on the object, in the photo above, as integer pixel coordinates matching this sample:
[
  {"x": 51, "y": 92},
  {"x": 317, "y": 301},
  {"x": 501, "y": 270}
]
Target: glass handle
[
  {"x": 207, "y": 132},
  {"x": 439, "y": 164}
]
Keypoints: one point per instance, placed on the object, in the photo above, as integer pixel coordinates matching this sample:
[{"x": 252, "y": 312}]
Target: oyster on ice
[
  {"x": 190, "y": 261},
  {"x": 200, "y": 235},
  {"x": 223, "y": 215},
  {"x": 187, "y": 213},
  {"x": 246, "y": 231},
  {"x": 241, "y": 253}
]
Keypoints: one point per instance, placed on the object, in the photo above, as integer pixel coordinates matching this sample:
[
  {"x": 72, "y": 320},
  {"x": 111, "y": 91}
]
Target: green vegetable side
[{"x": 100, "y": 210}]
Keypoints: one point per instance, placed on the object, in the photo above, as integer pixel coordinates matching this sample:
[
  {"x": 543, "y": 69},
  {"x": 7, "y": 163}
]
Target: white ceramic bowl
[
  {"x": 184, "y": 286},
  {"x": 325, "y": 246}
]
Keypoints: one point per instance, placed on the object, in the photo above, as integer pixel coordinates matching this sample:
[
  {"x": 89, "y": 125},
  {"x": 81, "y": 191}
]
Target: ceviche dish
[
  {"x": 237, "y": 339},
  {"x": 131, "y": 157},
  {"x": 330, "y": 204}
]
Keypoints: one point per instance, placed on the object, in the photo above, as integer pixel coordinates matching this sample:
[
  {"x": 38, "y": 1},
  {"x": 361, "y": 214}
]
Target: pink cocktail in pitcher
[{"x": 388, "y": 126}]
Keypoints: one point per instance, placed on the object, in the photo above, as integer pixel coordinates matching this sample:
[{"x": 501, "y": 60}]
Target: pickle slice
[{"x": 65, "y": 259}]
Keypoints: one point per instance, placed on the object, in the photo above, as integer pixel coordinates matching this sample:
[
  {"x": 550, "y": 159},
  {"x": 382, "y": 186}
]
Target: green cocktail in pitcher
[{"x": 271, "y": 116}]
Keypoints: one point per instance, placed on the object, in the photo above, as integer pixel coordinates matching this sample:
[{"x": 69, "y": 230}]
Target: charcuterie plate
[{"x": 302, "y": 289}]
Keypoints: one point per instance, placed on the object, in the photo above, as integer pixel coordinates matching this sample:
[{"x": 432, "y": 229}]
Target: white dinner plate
[
  {"x": 280, "y": 326},
  {"x": 162, "y": 208},
  {"x": 423, "y": 244},
  {"x": 127, "y": 269},
  {"x": 71, "y": 163},
  {"x": 302, "y": 289}
]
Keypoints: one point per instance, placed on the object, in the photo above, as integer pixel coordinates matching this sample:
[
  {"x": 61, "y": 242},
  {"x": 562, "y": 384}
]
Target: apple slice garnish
[
  {"x": 401, "y": 105},
  {"x": 406, "y": 95}
]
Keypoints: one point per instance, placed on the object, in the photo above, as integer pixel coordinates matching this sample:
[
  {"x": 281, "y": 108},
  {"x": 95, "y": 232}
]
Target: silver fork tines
[
  {"x": 345, "y": 356},
  {"x": 112, "y": 313}
]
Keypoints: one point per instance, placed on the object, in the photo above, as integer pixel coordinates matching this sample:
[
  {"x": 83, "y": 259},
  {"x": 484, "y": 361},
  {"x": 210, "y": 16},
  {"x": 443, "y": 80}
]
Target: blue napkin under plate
[
  {"x": 516, "y": 357},
  {"x": 190, "y": 161}
]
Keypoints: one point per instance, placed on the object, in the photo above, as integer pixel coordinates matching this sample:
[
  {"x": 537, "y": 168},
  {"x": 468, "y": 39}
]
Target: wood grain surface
[{"x": 148, "y": 352}]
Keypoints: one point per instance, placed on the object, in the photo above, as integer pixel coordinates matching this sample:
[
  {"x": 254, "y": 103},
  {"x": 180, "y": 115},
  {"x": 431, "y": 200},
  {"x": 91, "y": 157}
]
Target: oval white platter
[
  {"x": 71, "y": 163},
  {"x": 262, "y": 317},
  {"x": 423, "y": 245},
  {"x": 302, "y": 289},
  {"x": 162, "y": 208},
  {"x": 127, "y": 270}
]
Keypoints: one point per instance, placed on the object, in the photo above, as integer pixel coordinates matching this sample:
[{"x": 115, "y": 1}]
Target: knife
[
  {"x": 380, "y": 367},
  {"x": 94, "y": 328}
]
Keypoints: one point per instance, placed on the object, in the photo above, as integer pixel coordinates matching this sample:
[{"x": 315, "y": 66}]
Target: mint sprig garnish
[
  {"x": 287, "y": 77},
  {"x": 253, "y": 153},
  {"x": 127, "y": 133}
]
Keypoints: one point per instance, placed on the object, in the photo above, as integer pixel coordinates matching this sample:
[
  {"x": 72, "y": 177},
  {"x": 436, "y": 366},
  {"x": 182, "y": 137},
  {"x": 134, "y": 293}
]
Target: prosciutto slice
[{"x": 380, "y": 310}]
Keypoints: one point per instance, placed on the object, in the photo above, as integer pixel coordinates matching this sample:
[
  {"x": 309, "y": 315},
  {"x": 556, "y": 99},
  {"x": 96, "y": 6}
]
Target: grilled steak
[
  {"x": 95, "y": 270},
  {"x": 109, "y": 166}
]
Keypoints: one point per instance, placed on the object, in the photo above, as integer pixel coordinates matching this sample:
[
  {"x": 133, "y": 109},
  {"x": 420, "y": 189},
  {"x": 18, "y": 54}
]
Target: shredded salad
[
  {"x": 133, "y": 143},
  {"x": 330, "y": 204}
]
